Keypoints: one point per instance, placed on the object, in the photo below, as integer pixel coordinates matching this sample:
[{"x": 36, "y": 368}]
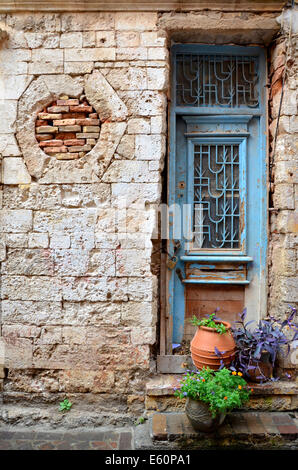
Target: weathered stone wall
[
  {"x": 79, "y": 300},
  {"x": 79, "y": 295},
  {"x": 283, "y": 74}
]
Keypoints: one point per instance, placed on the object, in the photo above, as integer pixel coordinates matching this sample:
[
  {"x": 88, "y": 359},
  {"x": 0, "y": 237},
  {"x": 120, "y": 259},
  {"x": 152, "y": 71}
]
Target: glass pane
[
  {"x": 216, "y": 196},
  {"x": 217, "y": 80}
]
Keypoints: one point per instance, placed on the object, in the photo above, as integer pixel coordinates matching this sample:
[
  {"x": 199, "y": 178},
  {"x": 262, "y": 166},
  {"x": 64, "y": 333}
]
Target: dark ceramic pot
[
  {"x": 200, "y": 416},
  {"x": 263, "y": 369}
]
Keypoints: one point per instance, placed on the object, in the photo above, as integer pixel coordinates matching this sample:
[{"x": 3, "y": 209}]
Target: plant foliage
[
  {"x": 65, "y": 405},
  {"x": 210, "y": 323},
  {"x": 267, "y": 336},
  {"x": 222, "y": 390}
]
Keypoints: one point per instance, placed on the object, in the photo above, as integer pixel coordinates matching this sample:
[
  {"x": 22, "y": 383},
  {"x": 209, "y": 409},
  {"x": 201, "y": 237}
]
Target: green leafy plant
[
  {"x": 140, "y": 420},
  {"x": 210, "y": 323},
  {"x": 222, "y": 390},
  {"x": 65, "y": 405}
]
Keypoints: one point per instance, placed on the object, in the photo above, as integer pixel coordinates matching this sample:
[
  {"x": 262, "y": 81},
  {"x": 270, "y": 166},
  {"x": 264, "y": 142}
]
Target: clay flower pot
[
  {"x": 200, "y": 416},
  {"x": 203, "y": 346}
]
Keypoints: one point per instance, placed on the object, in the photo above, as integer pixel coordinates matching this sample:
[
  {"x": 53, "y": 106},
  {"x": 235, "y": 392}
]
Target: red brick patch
[{"x": 60, "y": 125}]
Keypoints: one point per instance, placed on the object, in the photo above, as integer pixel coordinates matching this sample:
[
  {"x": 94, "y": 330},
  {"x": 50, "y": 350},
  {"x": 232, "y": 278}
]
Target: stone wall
[
  {"x": 79, "y": 300},
  {"x": 283, "y": 73},
  {"x": 79, "y": 293}
]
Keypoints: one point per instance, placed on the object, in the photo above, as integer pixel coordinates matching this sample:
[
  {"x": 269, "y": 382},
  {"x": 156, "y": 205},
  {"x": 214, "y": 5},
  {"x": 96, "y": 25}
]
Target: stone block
[
  {"x": 44, "y": 40},
  {"x": 131, "y": 53},
  {"x": 78, "y": 68},
  {"x": 15, "y": 171},
  {"x": 16, "y": 240},
  {"x": 9, "y": 110},
  {"x": 88, "y": 21},
  {"x": 284, "y": 196},
  {"x": 46, "y": 61},
  {"x": 59, "y": 241},
  {"x": 139, "y": 21},
  {"x": 38, "y": 240},
  {"x": 35, "y": 312},
  {"x": 71, "y": 40},
  {"x": 33, "y": 196},
  {"x": 130, "y": 171},
  {"x": 152, "y": 39},
  {"x": 149, "y": 147},
  {"x": 144, "y": 103},
  {"x": 31, "y": 288},
  {"x": 13, "y": 86},
  {"x": 105, "y": 39},
  {"x": 158, "y": 53},
  {"x": 17, "y": 352},
  {"x": 127, "y": 38},
  {"x": 132, "y": 78},
  {"x": 138, "y": 126},
  {"x": 9, "y": 146},
  {"x": 28, "y": 262},
  {"x": 75, "y": 381},
  {"x": 90, "y": 54},
  {"x": 94, "y": 289},
  {"x": 158, "y": 78},
  {"x": 126, "y": 147},
  {"x": 16, "y": 221}
]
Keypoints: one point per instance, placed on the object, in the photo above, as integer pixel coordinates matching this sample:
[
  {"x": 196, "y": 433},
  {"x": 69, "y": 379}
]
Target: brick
[
  {"x": 254, "y": 424},
  {"x": 92, "y": 129},
  {"x": 39, "y": 122},
  {"x": 290, "y": 429},
  {"x": 74, "y": 128},
  {"x": 50, "y": 116},
  {"x": 64, "y": 122},
  {"x": 58, "y": 109},
  {"x": 68, "y": 102},
  {"x": 87, "y": 135},
  {"x": 51, "y": 143},
  {"x": 238, "y": 423},
  {"x": 83, "y": 148},
  {"x": 65, "y": 135},
  {"x": 87, "y": 122},
  {"x": 268, "y": 423},
  {"x": 81, "y": 108},
  {"x": 282, "y": 419},
  {"x": 46, "y": 130},
  {"x": 52, "y": 150},
  {"x": 71, "y": 142},
  {"x": 159, "y": 427},
  {"x": 43, "y": 137}
]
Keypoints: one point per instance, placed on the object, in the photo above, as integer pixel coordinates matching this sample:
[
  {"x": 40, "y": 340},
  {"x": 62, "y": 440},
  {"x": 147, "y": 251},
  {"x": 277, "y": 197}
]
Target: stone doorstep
[
  {"x": 163, "y": 385},
  {"x": 237, "y": 426}
]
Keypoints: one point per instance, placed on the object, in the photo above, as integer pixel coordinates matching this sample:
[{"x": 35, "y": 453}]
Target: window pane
[
  {"x": 217, "y": 80},
  {"x": 216, "y": 196}
]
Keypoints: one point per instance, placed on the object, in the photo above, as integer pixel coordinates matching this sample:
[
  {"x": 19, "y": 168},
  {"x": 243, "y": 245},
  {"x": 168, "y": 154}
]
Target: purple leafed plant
[{"x": 267, "y": 337}]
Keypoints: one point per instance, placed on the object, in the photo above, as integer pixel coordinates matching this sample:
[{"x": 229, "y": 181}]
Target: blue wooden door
[{"x": 217, "y": 175}]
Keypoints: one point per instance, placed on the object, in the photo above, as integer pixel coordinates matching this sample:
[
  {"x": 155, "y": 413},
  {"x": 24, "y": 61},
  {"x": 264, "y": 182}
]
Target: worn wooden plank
[
  {"x": 163, "y": 306},
  {"x": 170, "y": 364},
  {"x": 217, "y": 293}
]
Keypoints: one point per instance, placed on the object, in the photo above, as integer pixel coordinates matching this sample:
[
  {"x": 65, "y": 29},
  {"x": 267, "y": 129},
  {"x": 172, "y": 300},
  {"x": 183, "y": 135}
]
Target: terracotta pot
[
  {"x": 200, "y": 416},
  {"x": 204, "y": 342},
  {"x": 263, "y": 368}
]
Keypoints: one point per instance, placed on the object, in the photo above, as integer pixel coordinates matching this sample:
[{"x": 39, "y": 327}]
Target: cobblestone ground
[{"x": 69, "y": 440}]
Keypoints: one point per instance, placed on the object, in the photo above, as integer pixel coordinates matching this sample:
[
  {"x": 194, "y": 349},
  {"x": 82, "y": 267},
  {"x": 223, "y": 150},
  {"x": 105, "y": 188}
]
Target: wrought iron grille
[
  {"x": 217, "y": 80},
  {"x": 216, "y": 196}
]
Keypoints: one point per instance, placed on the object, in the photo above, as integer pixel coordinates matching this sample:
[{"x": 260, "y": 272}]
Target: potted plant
[
  {"x": 211, "y": 395},
  {"x": 257, "y": 349},
  {"x": 212, "y": 336}
]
